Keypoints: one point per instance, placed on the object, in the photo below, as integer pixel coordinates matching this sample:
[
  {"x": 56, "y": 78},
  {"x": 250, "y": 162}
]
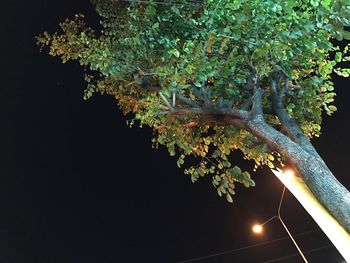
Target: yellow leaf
[{"x": 332, "y": 108}]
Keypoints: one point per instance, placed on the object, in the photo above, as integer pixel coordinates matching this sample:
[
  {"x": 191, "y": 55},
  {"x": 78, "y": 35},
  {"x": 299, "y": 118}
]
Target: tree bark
[{"x": 326, "y": 188}]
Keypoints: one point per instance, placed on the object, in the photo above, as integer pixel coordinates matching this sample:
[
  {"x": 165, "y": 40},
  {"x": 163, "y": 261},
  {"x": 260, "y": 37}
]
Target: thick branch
[
  {"x": 225, "y": 114},
  {"x": 257, "y": 110},
  {"x": 202, "y": 93},
  {"x": 288, "y": 124},
  {"x": 249, "y": 88},
  {"x": 275, "y": 140},
  {"x": 253, "y": 121},
  {"x": 187, "y": 101}
]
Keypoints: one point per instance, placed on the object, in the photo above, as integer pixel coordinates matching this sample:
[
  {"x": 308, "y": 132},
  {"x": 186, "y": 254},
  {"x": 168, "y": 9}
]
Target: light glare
[
  {"x": 289, "y": 173},
  {"x": 257, "y": 229}
]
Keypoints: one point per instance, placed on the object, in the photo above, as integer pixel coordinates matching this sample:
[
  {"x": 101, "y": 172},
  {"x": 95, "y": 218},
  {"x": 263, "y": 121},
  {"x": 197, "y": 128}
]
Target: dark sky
[{"x": 78, "y": 185}]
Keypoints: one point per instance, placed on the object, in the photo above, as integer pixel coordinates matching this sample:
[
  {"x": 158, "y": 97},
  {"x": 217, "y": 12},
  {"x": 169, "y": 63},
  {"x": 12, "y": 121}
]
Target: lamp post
[{"x": 258, "y": 228}]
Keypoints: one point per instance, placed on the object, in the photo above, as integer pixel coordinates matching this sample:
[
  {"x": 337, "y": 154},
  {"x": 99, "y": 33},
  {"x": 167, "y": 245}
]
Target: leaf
[
  {"x": 216, "y": 154},
  {"x": 245, "y": 175},
  {"x": 332, "y": 108},
  {"x": 346, "y": 35},
  {"x": 222, "y": 189},
  {"x": 211, "y": 39},
  {"x": 174, "y": 84},
  {"x": 180, "y": 162},
  {"x": 219, "y": 192},
  {"x": 229, "y": 198},
  {"x": 338, "y": 56},
  {"x": 314, "y": 2},
  {"x": 231, "y": 191},
  {"x": 189, "y": 69},
  {"x": 174, "y": 52},
  {"x": 291, "y": 106},
  {"x": 326, "y": 3},
  {"x": 236, "y": 170},
  {"x": 155, "y": 26},
  {"x": 270, "y": 165},
  {"x": 251, "y": 182},
  {"x": 194, "y": 177}
]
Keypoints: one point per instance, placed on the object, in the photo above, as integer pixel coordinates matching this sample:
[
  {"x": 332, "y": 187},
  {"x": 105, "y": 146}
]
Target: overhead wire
[
  {"x": 244, "y": 248},
  {"x": 295, "y": 255}
]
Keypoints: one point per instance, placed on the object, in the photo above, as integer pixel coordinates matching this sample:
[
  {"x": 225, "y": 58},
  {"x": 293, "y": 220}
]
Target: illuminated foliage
[{"x": 190, "y": 71}]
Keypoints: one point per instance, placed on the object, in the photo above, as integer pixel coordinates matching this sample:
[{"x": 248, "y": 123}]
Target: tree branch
[
  {"x": 257, "y": 110},
  {"x": 224, "y": 113},
  {"x": 165, "y": 101},
  {"x": 174, "y": 99},
  {"x": 288, "y": 124},
  {"x": 202, "y": 93},
  {"x": 187, "y": 101}
]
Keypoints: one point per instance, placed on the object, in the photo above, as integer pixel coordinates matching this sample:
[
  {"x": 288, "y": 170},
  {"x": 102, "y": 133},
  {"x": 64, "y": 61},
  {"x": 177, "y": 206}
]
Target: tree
[{"x": 221, "y": 75}]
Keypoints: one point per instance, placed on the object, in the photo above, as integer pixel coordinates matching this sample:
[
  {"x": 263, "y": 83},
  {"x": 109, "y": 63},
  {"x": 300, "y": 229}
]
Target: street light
[{"x": 258, "y": 228}]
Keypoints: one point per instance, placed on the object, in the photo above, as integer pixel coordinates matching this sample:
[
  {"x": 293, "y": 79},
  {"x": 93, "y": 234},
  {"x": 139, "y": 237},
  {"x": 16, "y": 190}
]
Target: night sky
[{"x": 78, "y": 185}]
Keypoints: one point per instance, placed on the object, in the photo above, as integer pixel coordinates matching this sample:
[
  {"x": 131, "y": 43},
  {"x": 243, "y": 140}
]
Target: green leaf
[
  {"x": 332, "y": 108},
  {"x": 338, "y": 56},
  {"x": 346, "y": 35},
  {"x": 270, "y": 165},
  {"x": 326, "y": 3},
  {"x": 231, "y": 191},
  {"x": 251, "y": 182},
  {"x": 155, "y": 25},
  {"x": 236, "y": 170},
  {"x": 194, "y": 178},
  {"x": 216, "y": 154},
  {"x": 222, "y": 189},
  {"x": 219, "y": 191},
  {"x": 291, "y": 106},
  {"x": 174, "y": 52},
  {"x": 229, "y": 198},
  {"x": 314, "y": 2},
  {"x": 189, "y": 69}
]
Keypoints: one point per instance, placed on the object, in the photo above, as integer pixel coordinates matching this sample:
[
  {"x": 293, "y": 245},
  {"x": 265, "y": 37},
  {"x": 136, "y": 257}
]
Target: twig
[
  {"x": 293, "y": 86},
  {"x": 130, "y": 83},
  {"x": 174, "y": 99},
  {"x": 165, "y": 101}
]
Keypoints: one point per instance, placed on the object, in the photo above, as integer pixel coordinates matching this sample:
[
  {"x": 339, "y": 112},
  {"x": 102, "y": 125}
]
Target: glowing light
[
  {"x": 257, "y": 229},
  {"x": 289, "y": 173}
]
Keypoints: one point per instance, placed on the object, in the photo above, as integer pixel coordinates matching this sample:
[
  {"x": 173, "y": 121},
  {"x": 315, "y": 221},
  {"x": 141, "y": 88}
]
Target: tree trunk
[
  {"x": 326, "y": 188},
  {"x": 311, "y": 168}
]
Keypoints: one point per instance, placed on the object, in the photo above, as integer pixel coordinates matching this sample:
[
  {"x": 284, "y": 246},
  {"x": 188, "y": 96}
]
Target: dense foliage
[{"x": 169, "y": 61}]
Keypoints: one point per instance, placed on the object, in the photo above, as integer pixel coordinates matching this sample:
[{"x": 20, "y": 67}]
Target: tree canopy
[{"x": 185, "y": 67}]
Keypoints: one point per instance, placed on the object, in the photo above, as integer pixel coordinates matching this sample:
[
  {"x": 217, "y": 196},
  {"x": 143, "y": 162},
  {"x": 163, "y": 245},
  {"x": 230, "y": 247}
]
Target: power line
[
  {"x": 294, "y": 255},
  {"x": 245, "y": 247}
]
